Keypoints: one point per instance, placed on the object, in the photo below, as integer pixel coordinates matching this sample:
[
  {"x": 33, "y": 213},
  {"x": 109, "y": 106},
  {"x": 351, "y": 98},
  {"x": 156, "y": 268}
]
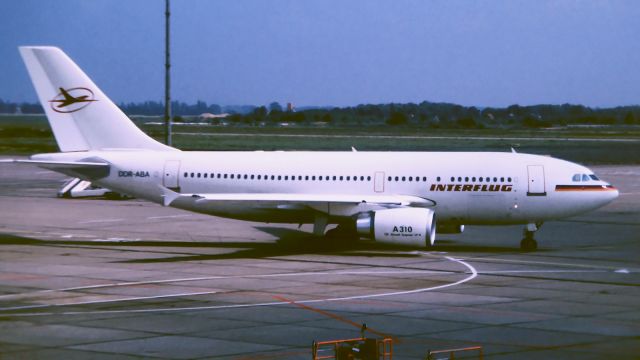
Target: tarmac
[{"x": 104, "y": 279}]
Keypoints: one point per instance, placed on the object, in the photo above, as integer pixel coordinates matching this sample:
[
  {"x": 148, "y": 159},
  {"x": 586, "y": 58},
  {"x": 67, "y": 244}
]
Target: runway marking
[
  {"x": 548, "y": 263},
  {"x": 473, "y": 275},
  {"x": 100, "y": 221},
  {"x": 201, "y": 278},
  {"x": 167, "y": 217},
  {"x": 116, "y": 239},
  {"x": 107, "y": 301},
  {"x": 540, "y": 271}
]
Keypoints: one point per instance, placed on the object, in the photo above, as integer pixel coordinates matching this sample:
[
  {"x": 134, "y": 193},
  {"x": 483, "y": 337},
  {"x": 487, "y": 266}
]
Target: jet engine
[
  {"x": 449, "y": 228},
  {"x": 402, "y": 226}
]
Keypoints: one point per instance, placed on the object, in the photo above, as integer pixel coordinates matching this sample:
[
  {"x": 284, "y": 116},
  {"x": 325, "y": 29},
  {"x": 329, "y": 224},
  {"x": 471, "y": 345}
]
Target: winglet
[{"x": 513, "y": 150}]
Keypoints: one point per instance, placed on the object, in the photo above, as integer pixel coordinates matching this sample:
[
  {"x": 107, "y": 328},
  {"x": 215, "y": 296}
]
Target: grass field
[{"x": 589, "y": 145}]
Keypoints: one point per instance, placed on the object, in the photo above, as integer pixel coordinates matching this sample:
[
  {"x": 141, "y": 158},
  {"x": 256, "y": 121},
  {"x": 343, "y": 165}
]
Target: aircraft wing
[{"x": 346, "y": 202}]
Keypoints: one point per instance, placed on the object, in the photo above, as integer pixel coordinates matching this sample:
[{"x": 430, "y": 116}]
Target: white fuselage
[{"x": 464, "y": 187}]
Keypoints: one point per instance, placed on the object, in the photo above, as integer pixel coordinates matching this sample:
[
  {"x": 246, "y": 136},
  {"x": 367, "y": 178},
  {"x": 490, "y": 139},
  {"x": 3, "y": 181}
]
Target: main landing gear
[
  {"x": 528, "y": 243},
  {"x": 343, "y": 232}
]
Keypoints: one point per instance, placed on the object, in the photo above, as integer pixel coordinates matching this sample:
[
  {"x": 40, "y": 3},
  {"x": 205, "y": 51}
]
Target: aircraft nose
[{"x": 611, "y": 193}]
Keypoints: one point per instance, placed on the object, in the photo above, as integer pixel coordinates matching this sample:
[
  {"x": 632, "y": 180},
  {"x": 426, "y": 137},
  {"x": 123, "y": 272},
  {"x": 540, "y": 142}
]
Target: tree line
[{"x": 424, "y": 114}]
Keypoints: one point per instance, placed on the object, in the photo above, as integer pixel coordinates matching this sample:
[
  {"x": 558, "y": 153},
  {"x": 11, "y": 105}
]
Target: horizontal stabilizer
[{"x": 80, "y": 169}]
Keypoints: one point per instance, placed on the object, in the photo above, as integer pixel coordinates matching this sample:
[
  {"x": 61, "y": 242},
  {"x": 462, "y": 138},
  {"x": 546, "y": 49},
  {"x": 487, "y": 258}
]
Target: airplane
[
  {"x": 69, "y": 99},
  {"x": 399, "y": 198}
]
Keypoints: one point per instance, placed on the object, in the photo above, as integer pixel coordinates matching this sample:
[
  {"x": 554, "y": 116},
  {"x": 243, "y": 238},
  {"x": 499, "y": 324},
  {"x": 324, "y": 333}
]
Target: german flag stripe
[{"x": 585, "y": 188}]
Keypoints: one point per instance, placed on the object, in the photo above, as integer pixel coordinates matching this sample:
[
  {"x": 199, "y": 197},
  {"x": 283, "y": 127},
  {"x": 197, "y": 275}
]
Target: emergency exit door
[
  {"x": 378, "y": 182},
  {"x": 536, "y": 181},
  {"x": 170, "y": 175}
]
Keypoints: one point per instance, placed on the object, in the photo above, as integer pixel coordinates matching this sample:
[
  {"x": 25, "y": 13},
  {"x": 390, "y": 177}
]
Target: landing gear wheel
[{"x": 528, "y": 243}]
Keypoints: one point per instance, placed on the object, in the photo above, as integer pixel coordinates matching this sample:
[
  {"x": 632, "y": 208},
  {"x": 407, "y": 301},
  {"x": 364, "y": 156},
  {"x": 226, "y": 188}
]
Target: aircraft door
[
  {"x": 170, "y": 175},
  {"x": 536, "y": 181},
  {"x": 378, "y": 182}
]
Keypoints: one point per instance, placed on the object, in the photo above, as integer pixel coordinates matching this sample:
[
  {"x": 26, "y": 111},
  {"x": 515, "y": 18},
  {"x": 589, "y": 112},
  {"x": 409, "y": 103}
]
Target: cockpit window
[{"x": 584, "y": 177}]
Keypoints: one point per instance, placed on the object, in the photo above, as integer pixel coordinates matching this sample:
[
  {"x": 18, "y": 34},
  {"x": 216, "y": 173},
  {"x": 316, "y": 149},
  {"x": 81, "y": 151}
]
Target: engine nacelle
[
  {"x": 403, "y": 226},
  {"x": 449, "y": 228}
]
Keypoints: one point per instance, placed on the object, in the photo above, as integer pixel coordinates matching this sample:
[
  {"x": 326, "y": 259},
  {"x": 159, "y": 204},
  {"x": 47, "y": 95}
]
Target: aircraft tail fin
[{"x": 81, "y": 116}]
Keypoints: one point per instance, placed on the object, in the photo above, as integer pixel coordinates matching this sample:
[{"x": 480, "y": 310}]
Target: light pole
[{"x": 167, "y": 80}]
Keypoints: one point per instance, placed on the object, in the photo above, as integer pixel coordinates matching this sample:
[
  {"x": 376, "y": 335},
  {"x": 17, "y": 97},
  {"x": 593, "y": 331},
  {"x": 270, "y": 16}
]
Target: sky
[{"x": 336, "y": 52}]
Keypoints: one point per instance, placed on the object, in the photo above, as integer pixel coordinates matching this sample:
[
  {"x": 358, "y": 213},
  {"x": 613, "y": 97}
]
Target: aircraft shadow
[{"x": 289, "y": 242}]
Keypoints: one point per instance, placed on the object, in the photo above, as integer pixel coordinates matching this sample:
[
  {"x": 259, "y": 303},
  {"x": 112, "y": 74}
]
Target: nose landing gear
[{"x": 529, "y": 243}]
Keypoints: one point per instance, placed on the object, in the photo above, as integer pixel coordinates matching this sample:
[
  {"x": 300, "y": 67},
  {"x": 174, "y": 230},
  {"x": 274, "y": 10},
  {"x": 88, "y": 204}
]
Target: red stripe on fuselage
[{"x": 585, "y": 188}]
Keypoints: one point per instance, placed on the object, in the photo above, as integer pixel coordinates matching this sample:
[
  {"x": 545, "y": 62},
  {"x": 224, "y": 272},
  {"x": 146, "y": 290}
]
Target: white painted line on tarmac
[
  {"x": 168, "y": 217},
  {"x": 107, "y": 301},
  {"x": 100, "y": 221},
  {"x": 203, "y": 278},
  {"x": 541, "y": 271},
  {"x": 551, "y": 263},
  {"x": 471, "y": 269}
]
